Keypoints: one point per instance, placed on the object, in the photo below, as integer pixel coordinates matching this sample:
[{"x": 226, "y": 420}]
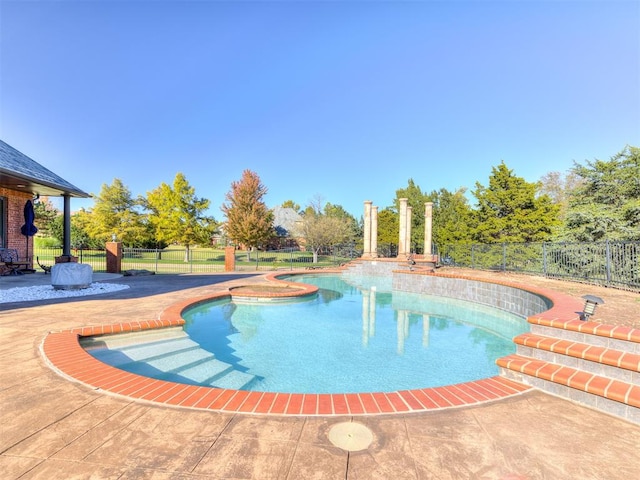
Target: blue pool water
[{"x": 350, "y": 338}]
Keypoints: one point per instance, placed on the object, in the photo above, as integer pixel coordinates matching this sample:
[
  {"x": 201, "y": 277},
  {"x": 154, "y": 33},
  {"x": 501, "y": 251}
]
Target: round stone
[{"x": 71, "y": 276}]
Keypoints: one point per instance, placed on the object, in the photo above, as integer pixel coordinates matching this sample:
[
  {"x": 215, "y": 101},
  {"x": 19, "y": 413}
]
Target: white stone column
[
  {"x": 428, "y": 224},
  {"x": 402, "y": 242},
  {"x": 374, "y": 232},
  {"x": 367, "y": 229},
  {"x": 407, "y": 248}
]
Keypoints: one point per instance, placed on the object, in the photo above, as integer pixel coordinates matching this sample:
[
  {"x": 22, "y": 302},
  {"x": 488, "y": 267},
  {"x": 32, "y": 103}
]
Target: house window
[{"x": 3, "y": 221}]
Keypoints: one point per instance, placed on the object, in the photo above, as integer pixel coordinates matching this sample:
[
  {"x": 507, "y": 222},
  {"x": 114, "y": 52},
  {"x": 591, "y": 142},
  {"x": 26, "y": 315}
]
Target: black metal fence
[
  {"x": 204, "y": 260},
  {"x": 47, "y": 256},
  {"x": 294, "y": 258},
  {"x": 615, "y": 264},
  {"x": 173, "y": 260}
]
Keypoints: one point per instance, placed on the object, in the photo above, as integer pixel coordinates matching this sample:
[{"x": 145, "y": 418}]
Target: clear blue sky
[{"x": 338, "y": 100}]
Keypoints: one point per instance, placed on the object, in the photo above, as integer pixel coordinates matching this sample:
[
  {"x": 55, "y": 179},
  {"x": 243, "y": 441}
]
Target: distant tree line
[{"x": 595, "y": 201}]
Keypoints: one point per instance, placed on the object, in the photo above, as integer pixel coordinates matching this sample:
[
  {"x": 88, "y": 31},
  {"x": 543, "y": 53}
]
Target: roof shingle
[{"x": 17, "y": 165}]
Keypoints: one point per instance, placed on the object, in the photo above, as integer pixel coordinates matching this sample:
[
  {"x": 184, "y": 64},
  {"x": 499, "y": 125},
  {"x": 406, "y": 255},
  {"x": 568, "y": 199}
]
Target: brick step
[
  {"x": 604, "y": 393},
  {"x": 622, "y": 338},
  {"x": 609, "y": 362}
]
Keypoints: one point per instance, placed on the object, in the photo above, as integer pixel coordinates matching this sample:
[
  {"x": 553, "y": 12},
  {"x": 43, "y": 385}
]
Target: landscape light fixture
[{"x": 590, "y": 304}]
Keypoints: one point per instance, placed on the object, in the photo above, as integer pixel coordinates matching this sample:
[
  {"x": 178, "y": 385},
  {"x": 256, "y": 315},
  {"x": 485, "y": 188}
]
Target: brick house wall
[{"x": 14, "y": 221}]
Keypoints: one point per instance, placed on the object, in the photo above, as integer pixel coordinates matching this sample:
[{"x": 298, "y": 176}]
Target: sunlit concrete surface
[{"x": 51, "y": 427}]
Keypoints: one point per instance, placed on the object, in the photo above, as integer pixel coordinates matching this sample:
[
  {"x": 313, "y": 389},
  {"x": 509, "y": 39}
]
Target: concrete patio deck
[{"x": 53, "y": 428}]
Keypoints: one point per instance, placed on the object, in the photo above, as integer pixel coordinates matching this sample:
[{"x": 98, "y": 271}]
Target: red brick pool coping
[{"x": 65, "y": 354}]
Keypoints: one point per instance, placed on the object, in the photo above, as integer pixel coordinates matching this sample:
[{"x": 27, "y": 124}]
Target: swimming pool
[{"x": 349, "y": 337}]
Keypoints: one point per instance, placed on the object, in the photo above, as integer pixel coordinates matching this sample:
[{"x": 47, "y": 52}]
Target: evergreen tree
[
  {"x": 45, "y": 214},
  {"x": 338, "y": 211},
  {"x": 605, "y": 205},
  {"x": 416, "y": 199},
  {"x": 510, "y": 210},
  {"x": 452, "y": 217},
  {"x": 388, "y": 230},
  {"x": 249, "y": 221},
  {"x": 178, "y": 216}
]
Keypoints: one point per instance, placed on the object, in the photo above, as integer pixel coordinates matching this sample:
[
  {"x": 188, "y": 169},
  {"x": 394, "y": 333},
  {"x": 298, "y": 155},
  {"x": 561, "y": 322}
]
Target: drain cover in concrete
[{"x": 350, "y": 436}]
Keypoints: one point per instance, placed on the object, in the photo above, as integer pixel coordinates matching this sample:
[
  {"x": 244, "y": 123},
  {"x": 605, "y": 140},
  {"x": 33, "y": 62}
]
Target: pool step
[
  {"x": 178, "y": 359},
  {"x": 593, "y": 364},
  {"x": 609, "y": 362},
  {"x": 214, "y": 373},
  {"x": 120, "y": 340},
  {"x": 619, "y": 338},
  {"x": 146, "y": 352},
  {"x": 233, "y": 380}
]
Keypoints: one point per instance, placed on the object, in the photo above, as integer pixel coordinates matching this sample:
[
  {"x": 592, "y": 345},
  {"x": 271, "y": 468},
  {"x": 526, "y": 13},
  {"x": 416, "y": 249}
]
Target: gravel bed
[{"x": 47, "y": 292}]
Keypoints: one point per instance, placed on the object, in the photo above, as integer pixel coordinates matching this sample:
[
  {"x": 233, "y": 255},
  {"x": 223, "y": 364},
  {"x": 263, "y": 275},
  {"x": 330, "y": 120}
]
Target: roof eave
[{"x": 51, "y": 189}]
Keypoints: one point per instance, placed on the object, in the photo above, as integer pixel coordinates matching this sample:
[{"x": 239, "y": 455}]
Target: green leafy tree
[
  {"x": 249, "y": 221},
  {"x": 115, "y": 213},
  {"x": 510, "y": 210},
  {"x": 605, "y": 205},
  {"x": 178, "y": 215},
  {"x": 80, "y": 237}
]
